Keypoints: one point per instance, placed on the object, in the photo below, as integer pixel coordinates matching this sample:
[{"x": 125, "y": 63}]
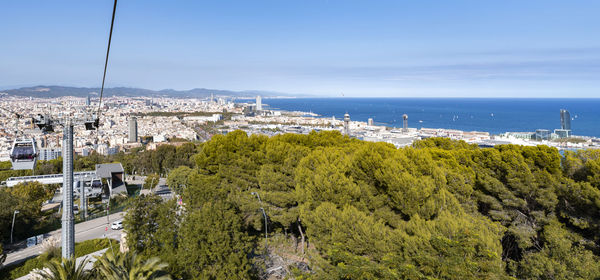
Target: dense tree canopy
[
  {"x": 27, "y": 198},
  {"x": 159, "y": 161},
  {"x": 441, "y": 209}
]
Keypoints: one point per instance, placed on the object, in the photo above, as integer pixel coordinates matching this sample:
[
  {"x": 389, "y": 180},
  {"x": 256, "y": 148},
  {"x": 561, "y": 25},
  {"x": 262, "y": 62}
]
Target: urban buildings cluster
[
  {"x": 127, "y": 122},
  {"x": 268, "y": 122}
]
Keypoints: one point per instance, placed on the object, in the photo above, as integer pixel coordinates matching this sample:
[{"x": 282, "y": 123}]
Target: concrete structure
[
  {"x": 519, "y": 135},
  {"x": 49, "y": 154},
  {"x": 133, "y": 130},
  {"x": 50, "y": 179},
  {"x": 405, "y": 123},
  {"x": 80, "y": 186},
  {"x": 114, "y": 175},
  {"x": 68, "y": 220},
  {"x": 259, "y": 103},
  {"x": 203, "y": 119},
  {"x": 88, "y": 101},
  {"x": 370, "y": 122},
  {"x": 112, "y": 172},
  {"x": 562, "y": 133},
  {"x": 347, "y": 124},
  {"x": 542, "y": 134},
  {"x": 159, "y": 138}
]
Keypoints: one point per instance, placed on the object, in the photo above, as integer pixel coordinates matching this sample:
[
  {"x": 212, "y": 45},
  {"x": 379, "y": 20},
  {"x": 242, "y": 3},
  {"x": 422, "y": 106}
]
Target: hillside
[{"x": 58, "y": 91}]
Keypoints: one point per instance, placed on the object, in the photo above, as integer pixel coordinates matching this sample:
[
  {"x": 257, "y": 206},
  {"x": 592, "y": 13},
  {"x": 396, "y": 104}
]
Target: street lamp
[
  {"x": 13, "y": 226},
  {"x": 265, "y": 215}
]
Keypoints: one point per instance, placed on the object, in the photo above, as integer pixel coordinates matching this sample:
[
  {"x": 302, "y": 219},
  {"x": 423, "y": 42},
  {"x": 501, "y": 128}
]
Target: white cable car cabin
[{"x": 23, "y": 154}]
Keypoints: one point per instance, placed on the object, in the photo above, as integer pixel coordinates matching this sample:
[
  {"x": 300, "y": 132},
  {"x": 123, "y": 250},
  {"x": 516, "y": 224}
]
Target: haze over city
[{"x": 321, "y": 48}]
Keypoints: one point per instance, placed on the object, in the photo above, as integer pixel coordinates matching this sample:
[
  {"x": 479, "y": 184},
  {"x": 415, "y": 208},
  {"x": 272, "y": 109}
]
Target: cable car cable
[
  {"x": 97, "y": 120},
  {"x": 112, "y": 22},
  {"x": 95, "y": 125}
]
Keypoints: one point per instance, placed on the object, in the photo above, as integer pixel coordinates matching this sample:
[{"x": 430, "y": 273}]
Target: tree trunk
[{"x": 302, "y": 236}]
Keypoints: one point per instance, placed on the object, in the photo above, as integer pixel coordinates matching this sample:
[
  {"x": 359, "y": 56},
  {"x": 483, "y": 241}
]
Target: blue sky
[{"x": 358, "y": 48}]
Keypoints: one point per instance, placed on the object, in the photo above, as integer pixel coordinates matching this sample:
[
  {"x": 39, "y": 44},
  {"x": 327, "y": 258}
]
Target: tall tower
[
  {"x": 347, "y": 124},
  {"x": 68, "y": 221},
  {"x": 258, "y": 103},
  {"x": 133, "y": 129},
  {"x": 370, "y": 122},
  {"x": 405, "y": 123},
  {"x": 565, "y": 119},
  {"x": 88, "y": 101}
]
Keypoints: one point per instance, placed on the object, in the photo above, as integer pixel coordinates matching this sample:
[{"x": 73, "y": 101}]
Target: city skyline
[{"x": 321, "y": 48}]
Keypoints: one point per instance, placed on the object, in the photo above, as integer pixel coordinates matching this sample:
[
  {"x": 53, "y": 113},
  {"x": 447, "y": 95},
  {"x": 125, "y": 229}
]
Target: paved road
[
  {"x": 83, "y": 231},
  {"x": 161, "y": 188},
  {"x": 139, "y": 180}
]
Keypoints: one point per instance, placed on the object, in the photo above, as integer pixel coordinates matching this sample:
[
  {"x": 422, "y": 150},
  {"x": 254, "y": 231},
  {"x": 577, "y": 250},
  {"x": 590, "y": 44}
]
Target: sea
[{"x": 468, "y": 114}]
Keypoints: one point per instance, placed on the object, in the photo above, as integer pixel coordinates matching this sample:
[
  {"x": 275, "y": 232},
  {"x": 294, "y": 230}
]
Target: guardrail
[
  {"x": 50, "y": 178},
  {"x": 113, "y": 210},
  {"x": 80, "y": 173}
]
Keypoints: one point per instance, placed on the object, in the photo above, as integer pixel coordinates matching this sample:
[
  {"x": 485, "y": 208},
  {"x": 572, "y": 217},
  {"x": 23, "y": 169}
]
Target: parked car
[{"x": 117, "y": 225}]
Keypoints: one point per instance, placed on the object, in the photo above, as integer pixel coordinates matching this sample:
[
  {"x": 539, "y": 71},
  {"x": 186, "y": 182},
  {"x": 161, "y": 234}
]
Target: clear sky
[{"x": 522, "y": 48}]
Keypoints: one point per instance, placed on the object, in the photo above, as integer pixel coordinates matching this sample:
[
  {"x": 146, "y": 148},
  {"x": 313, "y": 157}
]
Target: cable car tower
[
  {"x": 23, "y": 155},
  {"x": 91, "y": 122},
  {"x": 68, "y": 220}
]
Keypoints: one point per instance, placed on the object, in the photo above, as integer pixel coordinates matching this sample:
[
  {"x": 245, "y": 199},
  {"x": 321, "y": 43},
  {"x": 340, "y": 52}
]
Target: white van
[{"x": 117, "y": 225}]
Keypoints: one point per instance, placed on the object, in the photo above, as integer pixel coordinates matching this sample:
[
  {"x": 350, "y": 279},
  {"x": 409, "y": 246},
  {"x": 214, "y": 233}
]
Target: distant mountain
[{"x": 58, "y": 91}]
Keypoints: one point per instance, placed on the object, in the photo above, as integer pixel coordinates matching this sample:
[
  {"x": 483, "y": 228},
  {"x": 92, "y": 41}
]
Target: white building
[
  {"x": 259, "y": 103},
  {"x": 203, "y": 119},
  {"x": 49, "y": 154}
]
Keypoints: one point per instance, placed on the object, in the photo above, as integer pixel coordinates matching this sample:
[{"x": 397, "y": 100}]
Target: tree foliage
[
  {"x": 130, "y": 266},
  {"x": 441, "y": 209},
  {"x": 160, "y": 161},
  {"x": 178, "y": 178},
  {"x": 151, "y": 181},
  {"x": 27, "y": 198},
  {"x": 66, "y": 269}
]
